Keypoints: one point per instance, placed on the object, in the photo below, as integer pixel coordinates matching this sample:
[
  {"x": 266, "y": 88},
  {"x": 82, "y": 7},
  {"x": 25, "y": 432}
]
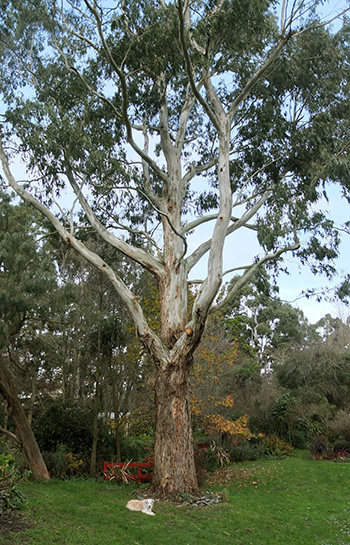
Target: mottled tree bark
[{"x": 174, "y": 468}]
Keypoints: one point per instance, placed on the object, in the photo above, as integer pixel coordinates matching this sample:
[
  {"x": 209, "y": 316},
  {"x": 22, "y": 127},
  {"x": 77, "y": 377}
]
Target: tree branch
[
  {"x": 255, "y": 78},
  {"x": 11, "y": 435},
  {"x": 137, "y": 254},
  {"x": 128, "y": 125},
  {"x": 190, "y": 74},
  {"x": 193, "y": 259},
  {"x": 185, "y": 112},
  {"x": 251, "y": 272},
  {"x": 145, "y": 334}
]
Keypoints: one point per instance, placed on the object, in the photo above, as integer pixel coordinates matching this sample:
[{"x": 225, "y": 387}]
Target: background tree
[
  {"x": 263, "y": 324},
  {"x": 26, "y": 277},
  {"x": 143, "y": 100}
]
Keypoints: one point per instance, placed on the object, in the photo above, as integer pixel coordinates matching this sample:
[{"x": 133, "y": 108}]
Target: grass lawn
[{"x": 269, "y": 502}]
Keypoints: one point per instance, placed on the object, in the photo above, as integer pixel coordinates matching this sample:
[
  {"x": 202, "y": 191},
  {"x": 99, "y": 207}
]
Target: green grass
[{"x": 277, "y": 502}]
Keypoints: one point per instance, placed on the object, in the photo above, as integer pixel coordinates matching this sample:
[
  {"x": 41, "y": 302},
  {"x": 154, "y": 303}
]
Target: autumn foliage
[{"x": 212, "y": 404}]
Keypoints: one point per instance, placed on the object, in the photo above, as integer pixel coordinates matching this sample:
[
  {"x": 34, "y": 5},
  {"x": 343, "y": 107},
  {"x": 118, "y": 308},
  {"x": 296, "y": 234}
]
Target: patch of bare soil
[{"x": 12, "y": 522}]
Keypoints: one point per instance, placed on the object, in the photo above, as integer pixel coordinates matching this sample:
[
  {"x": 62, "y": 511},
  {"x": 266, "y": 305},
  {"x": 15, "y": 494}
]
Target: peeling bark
[{"x": 174, "y": 468}]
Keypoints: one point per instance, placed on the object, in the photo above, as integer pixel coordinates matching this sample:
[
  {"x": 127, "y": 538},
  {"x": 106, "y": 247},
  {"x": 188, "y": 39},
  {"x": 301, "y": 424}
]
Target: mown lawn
[{"x": 269, "y": 502}]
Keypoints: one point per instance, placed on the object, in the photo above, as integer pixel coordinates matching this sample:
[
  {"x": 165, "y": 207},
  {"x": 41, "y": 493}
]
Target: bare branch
[
  {"x": 197, "y": 169},
  {"x": 193, "y": 259},
  {"x": 190, "y": 73},
  {"x": 235, "y": 269},
  {"x": 186, "y": 110},
  {"x": 251, "y": 272},
  {"x": 11, "y": 435},
  {"x": 324, "y": 23},
  {"x": 138, "y": 254},
  {"x": 146, "y": 335}
]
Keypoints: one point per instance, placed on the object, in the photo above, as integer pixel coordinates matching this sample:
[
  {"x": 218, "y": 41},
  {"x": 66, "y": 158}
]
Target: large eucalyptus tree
[{"x": 167, "y": 116}]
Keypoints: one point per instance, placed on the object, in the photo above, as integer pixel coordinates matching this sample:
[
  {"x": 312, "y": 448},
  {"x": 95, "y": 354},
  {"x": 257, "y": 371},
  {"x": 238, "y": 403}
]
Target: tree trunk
[
  {"x": 174, "y": 468},
  {"x": 96, "y": 404},
  {"x": 116, "y": 415},
  {"x": 117, "y": 441},
  {"x": 24, "y": 431}
]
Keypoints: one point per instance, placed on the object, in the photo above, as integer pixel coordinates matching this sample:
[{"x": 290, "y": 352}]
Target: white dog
[{"x": 145, "y": 506}]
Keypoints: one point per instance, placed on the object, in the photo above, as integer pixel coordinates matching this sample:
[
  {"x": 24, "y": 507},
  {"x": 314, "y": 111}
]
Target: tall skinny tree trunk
[
  {"x": 174, "y": 468},
  {"x": 116, "y": 419},
  {"x": 96, "y": 405},
  {"x": 24, "y": 431}
]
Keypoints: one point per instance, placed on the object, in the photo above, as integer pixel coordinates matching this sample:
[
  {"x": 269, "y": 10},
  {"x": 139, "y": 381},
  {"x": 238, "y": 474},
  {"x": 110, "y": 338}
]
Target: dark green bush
[
  {"x": 65, "y": 425},
  {"x": 136, "y": 449},
  {"x": 341, "y": 445},
  {"x": 71, "y": 426},
  {"x": 245, "y": 451},
  {"x": 299, "y": 439},
  {"x": 63, "y": 464}
]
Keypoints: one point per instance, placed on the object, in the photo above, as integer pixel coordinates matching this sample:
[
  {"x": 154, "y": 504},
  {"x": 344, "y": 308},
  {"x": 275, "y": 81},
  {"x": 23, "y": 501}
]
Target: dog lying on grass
[{"x": 145, "y": 506}]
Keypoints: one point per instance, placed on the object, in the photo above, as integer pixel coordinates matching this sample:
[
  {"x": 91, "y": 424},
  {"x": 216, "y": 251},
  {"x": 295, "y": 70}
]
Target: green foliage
[
  {"x": 11, "y": 497},
  {"x": 136, "y": 449},
  {"x": 275, "y": 447},
  {"x": 341, "y": 445},
  {"x": 63, "y": 464},
  {"x": 339, "y": 427},
  {"x": 65, "y": 425},
  {"x": 282, "y": 412},
  {"x": 246, "y": 450},
  {"x": 68, "y": 428},
  {"x": 26, "y": 270},
  {"x": 6, "y": 462},
  {"x": 315, "y": 373}
]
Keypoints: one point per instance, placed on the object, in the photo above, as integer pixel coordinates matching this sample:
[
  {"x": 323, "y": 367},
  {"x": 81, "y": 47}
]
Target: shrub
[
  {"x": 276, "y": 447},
  {"x": 63, "y": 464},
  {"x": 319, "y": 448},
  {"x": 136, "y": 449},
  {"x": 10, "y": 497},
  {"x": 299, "y": 439},
  {"x": 70, "y": 425},
  {"x": 341, "y": 445},
  {"x": 340, "y": 426},
  {"x": 246, "y": 451}
]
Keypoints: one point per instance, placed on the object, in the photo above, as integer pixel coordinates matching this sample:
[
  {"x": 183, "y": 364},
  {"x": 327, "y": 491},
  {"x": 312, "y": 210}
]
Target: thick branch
[
  {"x": 251, "y": 272},
  {"x": 197, "y": 169},
  {"x": 145, "y": 334},
  {"x": 137, "y": 254},
  {"x": 185, "y": 112},
  {"x": 193, "y": 259}
]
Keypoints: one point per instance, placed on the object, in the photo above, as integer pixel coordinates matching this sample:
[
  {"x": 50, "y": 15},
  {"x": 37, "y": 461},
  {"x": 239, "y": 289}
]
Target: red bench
[{"x": 139, "y": 476}]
